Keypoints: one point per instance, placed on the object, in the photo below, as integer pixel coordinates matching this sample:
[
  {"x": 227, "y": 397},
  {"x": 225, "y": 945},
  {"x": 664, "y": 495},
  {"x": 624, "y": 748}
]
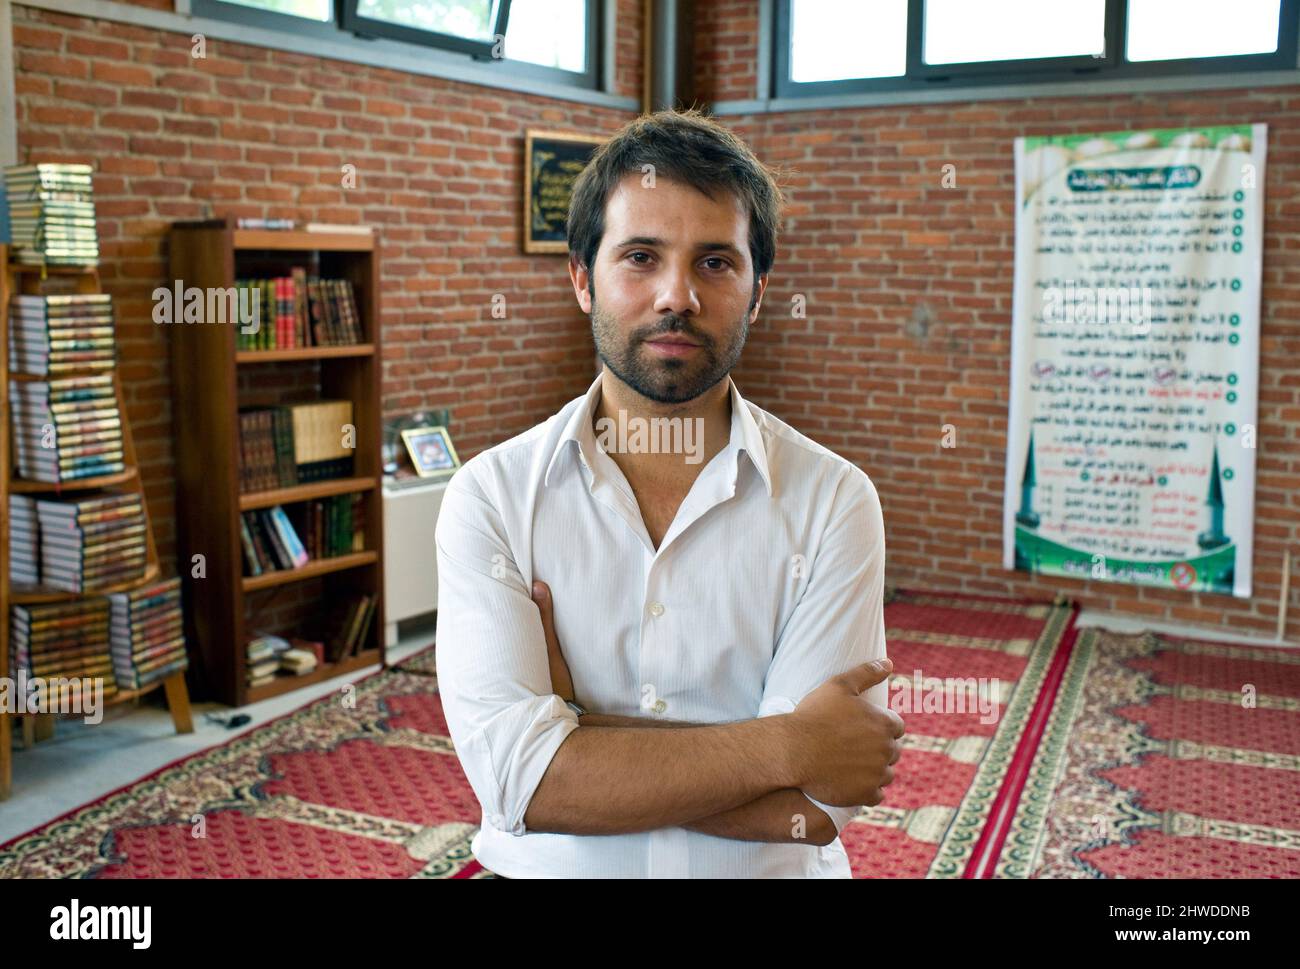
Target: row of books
[
  {"x": 280, "y": 447},
  {"x": 325, "y": 527},
  {"x": 129, "y": 639},
  {"x": 53, "y": 334},
  {"x": 52, "y": 215},
  {"x": 301, "y": 311},
  {"x": 66, "y": 429},
  {"x": 344, "y": 633},
  {"x": 77, "y": 545}
]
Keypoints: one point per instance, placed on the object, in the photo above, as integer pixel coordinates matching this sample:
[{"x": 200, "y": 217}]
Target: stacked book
[
  {"x": 52, "y": 215},
  {"x": 297, "y": 662},
  {"x": 24, "y": 541},
  {"x": 147, "y": 634},
  {"x": 66, "y": 429},
  {"x": 49, "y": 335},
  {"x": 280, "y": 447},
  {"x": 298, "y": 311},
  {"x": 91, "y": 543},
  {"x": 263, "y": 658},
  {"x": 63, "y": 639}
]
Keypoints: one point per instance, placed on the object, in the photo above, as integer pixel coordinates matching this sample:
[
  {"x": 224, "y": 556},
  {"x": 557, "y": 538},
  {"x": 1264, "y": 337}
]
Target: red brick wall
[
  {"x": 251, "y": 132},
  {"x": 872, "y": 238}
]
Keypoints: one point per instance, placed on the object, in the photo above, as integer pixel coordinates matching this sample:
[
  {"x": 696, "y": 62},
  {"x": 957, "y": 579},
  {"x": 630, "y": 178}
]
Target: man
[{"x": 673, "y": 650}]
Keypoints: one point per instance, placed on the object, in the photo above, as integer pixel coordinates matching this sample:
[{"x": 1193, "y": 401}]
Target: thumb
[
  {"x": 861, "y": 678},
  {"x": 542, "y": 596}
]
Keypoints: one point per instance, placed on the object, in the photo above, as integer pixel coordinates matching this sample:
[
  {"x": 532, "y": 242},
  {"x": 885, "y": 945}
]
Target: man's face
[{"x": 676, "y": 288}]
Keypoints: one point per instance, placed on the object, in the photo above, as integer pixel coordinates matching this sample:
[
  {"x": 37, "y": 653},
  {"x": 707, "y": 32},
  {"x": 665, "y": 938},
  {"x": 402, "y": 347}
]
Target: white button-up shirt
[{"x": 769, "y": 581}]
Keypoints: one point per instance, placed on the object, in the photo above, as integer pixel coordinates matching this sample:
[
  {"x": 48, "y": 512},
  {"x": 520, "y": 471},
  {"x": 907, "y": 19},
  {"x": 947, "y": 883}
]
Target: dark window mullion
[{"x": 915, "y": 38}]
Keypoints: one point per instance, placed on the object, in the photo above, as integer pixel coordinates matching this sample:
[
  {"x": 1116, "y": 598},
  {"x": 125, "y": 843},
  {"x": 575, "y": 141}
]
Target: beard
[{"x": 667, "y": 380}]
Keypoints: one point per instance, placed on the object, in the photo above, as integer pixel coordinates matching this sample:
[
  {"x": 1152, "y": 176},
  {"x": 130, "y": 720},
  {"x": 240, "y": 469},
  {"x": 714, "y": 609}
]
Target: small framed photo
[{"x": 431, "y": 451}]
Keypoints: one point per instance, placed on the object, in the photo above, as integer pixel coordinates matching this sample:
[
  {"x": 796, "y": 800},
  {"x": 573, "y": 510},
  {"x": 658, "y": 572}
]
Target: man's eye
[
  {"x": 632, "y": 255},
  {"x": 718, "y": 259}
]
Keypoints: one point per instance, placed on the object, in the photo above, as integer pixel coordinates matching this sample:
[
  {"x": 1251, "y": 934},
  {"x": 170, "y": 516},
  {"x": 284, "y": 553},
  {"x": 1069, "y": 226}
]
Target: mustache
[{"x": 675, "y": 325}]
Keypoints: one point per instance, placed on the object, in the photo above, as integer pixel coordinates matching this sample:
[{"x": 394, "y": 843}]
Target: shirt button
[
  {"x": 656, "y": 608},
  {"x": 497, "y": 821},
  {"x": 660, "y": 706}
]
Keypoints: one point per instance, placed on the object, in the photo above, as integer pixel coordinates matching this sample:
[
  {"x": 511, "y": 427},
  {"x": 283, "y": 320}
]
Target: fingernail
[
  {"x": 885, "y": 665},
  {"x": 537, "y": 590}
]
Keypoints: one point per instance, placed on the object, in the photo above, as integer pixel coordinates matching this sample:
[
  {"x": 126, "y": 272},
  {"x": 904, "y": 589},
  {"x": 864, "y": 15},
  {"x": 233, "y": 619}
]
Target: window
[
  {"x": 962, "y": 32},
  {"x": 468, "y": 26},
  {"x": 870, "y": 40},
  {"x": 824, "y": 47},
  {"x": 550, "y": 40},
  {"x": 311, "y": 9},
  {"x": 1161, "y": 30}
]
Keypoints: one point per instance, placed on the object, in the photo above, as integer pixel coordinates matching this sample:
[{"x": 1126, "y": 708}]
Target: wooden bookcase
[
  {"x": 14, "y": 279},
  {"x": 205, "y": 401}
]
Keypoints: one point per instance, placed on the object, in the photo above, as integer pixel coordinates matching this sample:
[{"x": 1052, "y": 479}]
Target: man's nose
[{"x": 677, "y": 292}]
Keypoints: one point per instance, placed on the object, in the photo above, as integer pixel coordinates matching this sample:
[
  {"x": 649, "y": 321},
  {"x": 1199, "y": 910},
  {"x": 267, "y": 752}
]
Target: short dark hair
[{"x": 685, "y": 146}]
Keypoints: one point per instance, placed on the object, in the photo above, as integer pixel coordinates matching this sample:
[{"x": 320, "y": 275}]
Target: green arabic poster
[{"x": 1135, "y": 357}]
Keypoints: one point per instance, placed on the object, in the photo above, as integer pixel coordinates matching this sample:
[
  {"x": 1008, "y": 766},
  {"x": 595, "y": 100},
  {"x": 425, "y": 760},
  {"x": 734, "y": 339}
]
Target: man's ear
[
  {"x": 758, "y": 301},
  {"x": 581, "y": 278}
]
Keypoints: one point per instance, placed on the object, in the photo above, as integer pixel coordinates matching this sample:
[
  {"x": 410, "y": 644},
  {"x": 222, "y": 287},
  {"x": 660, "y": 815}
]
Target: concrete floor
[{"x": 82, "y": 762}]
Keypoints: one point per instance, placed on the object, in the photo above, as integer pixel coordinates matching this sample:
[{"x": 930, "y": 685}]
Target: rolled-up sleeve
[
  {"x": 493, "y": 672},
  {"x": 839, "y": 621}
]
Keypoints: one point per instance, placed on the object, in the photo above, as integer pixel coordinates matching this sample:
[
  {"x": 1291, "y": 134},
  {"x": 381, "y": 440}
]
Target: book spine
[
  {"x": 283, "y": 558},
  {"x": 292, "y": 544},
  {"x": 252, "y": 566}
]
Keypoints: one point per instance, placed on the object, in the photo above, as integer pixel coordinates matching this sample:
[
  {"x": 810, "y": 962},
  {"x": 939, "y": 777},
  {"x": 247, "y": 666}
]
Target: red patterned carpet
[
  {"x": 950, "y": 776},
  {"x": 1164, "y": 758},
  {"x": 1141, "y": 744}
]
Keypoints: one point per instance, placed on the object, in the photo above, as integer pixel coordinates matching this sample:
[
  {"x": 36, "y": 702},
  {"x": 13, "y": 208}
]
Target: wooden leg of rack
[
  {"x": 44, "y": 726},
  {"x": 29, "y": 730},
  {"x": 6, "y": 756},
  {"x": 178, "y": 702}
]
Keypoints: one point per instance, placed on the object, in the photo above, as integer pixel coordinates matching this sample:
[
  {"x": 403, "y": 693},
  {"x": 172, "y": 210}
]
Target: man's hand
[
  {"x": 846, "y": 745},
  {"x": 561, "y": 681}
]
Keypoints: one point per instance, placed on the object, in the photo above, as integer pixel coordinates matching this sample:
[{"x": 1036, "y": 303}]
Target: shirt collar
[{"x": 580, "y": 437}]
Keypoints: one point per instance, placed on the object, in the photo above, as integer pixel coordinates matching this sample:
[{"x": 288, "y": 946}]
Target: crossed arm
[
  {"x": 534, "y": 766},
  {"x": 785, "y": 815}
]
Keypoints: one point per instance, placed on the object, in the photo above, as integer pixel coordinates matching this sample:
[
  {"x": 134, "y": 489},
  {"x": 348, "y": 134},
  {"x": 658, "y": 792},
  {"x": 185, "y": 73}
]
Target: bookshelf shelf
[
  {"x": 304, "y": 353},
  {"x": 23, "y": 486},
  {"x": 325, "y": 671},
  {"x": 30, "y": 595},
  {"x": 335, "y": 563},
  {"x": 225, "y": 608},
  {"x": 249, "y": 500}
]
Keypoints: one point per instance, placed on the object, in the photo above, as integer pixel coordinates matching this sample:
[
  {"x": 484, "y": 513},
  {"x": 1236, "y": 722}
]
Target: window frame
[
  {"x": 921, "y": 77},
  {"x": 453, "y": 48}
]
